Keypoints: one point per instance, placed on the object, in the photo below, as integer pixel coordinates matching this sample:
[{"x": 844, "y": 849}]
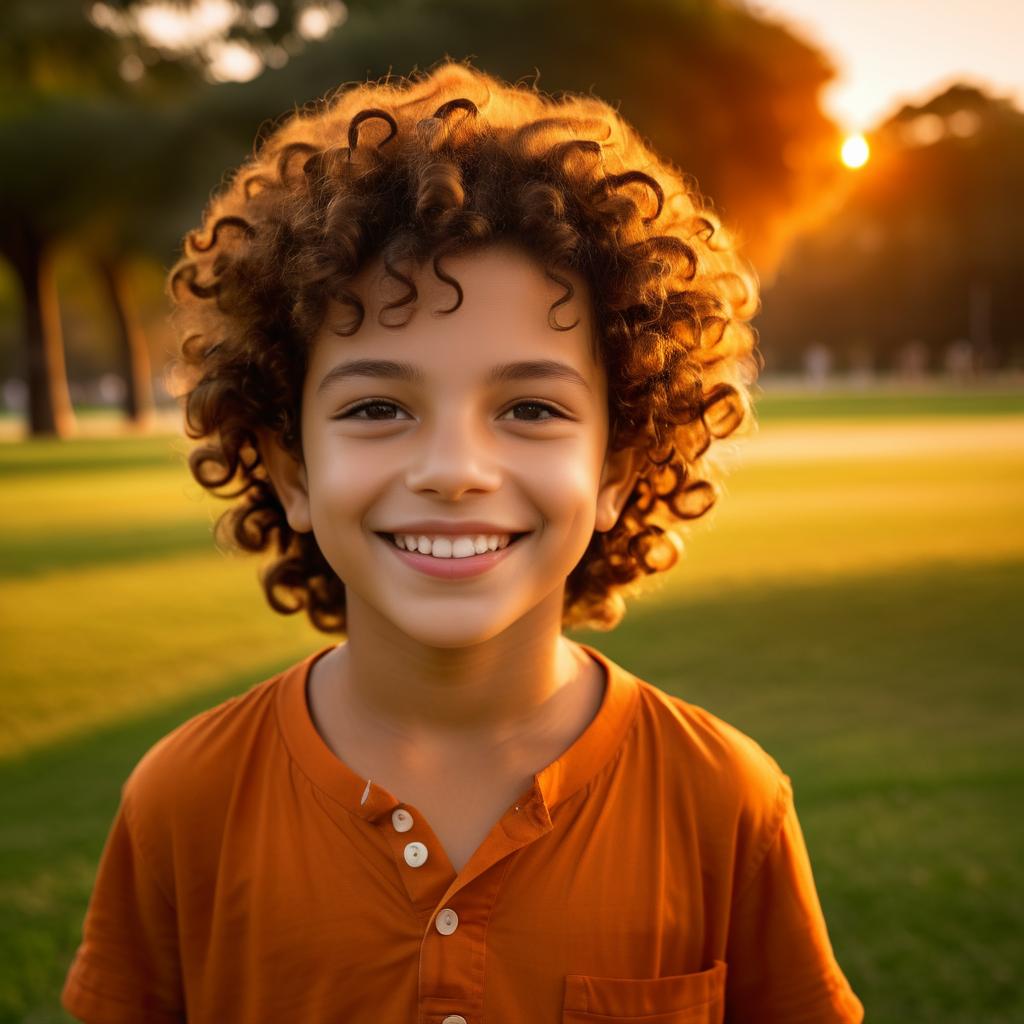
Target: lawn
[{"x": 853, "y": 603}]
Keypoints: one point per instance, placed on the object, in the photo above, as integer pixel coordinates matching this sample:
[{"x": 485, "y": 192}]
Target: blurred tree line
[
  {"x": 115, "y": 126},
  {"x": 111, "y": 139},
  {"x": 919, "y": 262}
]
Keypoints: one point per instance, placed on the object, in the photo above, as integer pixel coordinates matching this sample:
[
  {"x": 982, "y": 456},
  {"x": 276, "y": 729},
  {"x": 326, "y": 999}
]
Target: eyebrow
[{"x": 534, "y": 369}]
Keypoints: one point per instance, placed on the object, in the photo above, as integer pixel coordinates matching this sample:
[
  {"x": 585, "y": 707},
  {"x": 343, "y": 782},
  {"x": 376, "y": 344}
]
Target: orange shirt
[{"x": 655, "y": 872}]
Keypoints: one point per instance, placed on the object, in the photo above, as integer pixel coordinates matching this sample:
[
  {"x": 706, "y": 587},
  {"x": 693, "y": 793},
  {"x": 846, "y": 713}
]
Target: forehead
[{"x": 503, "y": 316}]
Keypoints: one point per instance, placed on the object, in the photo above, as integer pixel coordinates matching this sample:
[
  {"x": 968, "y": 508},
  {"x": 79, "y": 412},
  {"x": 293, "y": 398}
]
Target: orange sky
[{"x": 892, "y": 51}]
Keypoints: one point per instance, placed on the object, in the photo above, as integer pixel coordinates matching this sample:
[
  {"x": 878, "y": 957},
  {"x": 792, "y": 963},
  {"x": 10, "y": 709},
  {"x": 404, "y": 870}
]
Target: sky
[{"x": 889, "y": 52}]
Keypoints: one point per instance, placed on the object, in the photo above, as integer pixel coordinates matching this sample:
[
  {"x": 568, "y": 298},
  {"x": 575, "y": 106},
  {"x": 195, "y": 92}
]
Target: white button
[
  {"x": 454, "y": 1018},
  {"x": 415, "y": 854},
  {"x": 401, "y": 819},
  {"x": 447, "y": 921}
]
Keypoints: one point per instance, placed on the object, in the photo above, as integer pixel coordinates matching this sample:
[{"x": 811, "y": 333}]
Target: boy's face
[{"x": 456, "y": 445}]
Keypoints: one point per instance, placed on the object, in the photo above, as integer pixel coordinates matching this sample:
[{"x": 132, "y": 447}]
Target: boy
[{"x": 463, "y": 348}]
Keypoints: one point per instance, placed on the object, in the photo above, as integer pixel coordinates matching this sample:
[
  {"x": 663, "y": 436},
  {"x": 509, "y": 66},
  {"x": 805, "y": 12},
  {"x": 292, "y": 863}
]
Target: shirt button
[
  {"x": 401, "y": 819},
  {"x": 447, "y": 921},
  {"x": 415, "y": 854},
  {"x": 454, "y": 1018}
]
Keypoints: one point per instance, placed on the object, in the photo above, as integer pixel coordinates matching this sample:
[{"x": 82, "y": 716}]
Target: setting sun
[{"x": 855, "y": 151}]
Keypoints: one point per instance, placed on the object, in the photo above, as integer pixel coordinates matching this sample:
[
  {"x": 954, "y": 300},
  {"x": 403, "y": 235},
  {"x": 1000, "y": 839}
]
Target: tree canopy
[
  {"x": 927, "y": 246},
  {"x": 114, "y": 136}
]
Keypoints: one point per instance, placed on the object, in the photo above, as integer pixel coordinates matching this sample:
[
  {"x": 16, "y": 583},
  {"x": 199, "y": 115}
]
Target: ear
[
  {"x": 618, "y": 478},
  {"x": 289, "y": 479}
]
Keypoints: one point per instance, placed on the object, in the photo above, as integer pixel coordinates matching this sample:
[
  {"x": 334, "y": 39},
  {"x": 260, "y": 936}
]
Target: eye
[
  {"x": 373, "y": 403},
  {"x": 538, "y": 405}
]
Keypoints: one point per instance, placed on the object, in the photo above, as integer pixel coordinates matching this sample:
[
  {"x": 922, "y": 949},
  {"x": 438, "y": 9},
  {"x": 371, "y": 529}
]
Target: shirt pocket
[{"x": 676, "y": 999}]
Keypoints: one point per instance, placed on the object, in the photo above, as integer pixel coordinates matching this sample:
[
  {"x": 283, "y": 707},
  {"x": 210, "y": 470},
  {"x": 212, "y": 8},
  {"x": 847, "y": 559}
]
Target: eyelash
[{"x": 349, "y": 413}]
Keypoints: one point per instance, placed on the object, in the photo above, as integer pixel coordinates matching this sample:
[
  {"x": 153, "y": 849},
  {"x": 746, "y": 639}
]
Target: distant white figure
[
  {"x": 913, "y": 360},
  {"x": 862, "y": 367},
  {"x": 817, "y": 363},
  {"x": 15, "y": 394},
  {"x": 960, "y": 360},
  {"x": 112, "y": 389}
]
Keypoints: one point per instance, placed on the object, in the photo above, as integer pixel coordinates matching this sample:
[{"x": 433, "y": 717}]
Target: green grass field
[{"x": 853, "y": 603}]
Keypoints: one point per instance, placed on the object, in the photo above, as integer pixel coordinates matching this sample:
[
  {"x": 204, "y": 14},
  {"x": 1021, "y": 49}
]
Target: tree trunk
[
  {"x": 132, "y": 348},
  {"x": 50, "y": 410}
]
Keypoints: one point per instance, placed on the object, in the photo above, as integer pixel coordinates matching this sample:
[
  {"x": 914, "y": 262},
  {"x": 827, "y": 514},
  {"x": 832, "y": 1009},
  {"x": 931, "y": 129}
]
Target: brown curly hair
[{"x": 429, "y": 165}]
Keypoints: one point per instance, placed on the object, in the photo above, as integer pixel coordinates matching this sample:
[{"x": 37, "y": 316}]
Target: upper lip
[{"x": 435, "y": 527}]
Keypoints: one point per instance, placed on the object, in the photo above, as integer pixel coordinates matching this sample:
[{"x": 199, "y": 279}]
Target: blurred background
[{"x": 854, "y": 600}]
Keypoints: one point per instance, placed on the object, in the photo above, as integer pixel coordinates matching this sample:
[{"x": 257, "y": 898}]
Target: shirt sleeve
[
  {"x": 781, "y": 967},
  {"x": 127, "y": 967}
]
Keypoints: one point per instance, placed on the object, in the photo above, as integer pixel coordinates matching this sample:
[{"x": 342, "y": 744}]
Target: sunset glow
[
  {"x": 877, "y": 71},
  {"x": 855, "y": 151}
]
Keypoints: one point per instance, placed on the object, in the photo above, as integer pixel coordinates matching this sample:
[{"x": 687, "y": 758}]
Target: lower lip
[{"x": 453, "y": 568}]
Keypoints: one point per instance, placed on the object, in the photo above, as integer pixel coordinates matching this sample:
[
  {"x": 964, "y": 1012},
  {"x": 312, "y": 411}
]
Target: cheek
[
  {"x": 342, "y": 485},
  {"x": 564, "y": 489},
  {"x": 344, "y": 471}
]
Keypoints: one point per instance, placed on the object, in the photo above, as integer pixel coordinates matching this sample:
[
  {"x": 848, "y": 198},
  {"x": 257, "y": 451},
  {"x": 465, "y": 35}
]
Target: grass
[{"x": 852, "y": 603}]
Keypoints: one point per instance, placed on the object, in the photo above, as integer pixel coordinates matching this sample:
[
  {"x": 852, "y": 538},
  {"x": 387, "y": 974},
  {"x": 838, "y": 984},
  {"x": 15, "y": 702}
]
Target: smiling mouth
[{"x": 513, "y": 537}]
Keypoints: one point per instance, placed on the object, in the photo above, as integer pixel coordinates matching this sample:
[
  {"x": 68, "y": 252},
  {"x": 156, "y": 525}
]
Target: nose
[{"x": 453, "y": 454}]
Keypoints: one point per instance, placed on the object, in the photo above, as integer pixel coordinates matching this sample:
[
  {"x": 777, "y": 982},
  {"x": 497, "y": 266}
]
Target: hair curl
[{"x": 430, "y": 165}]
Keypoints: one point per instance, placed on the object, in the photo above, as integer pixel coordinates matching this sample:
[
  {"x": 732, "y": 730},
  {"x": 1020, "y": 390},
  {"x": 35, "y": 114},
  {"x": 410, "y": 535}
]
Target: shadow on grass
[
  {"x": 22, "y": 557},
  {"x": 56, "y": 807},
  {"x": 46, "y": 456}
]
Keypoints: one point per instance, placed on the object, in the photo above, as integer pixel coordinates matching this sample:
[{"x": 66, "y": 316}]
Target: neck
[{"x": 491, "y": 692}]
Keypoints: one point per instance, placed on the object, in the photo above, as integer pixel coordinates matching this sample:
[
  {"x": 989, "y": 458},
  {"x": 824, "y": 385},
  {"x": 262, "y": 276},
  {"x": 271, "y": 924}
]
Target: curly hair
[{"x": 428, "y": 165}]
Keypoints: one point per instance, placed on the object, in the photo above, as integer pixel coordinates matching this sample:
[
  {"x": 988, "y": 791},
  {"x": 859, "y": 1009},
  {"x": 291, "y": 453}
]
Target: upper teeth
[{"x": 452, "y": 547}]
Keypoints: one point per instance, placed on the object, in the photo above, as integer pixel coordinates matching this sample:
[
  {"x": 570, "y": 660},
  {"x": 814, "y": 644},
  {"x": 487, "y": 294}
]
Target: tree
[
  {"x": 731, "y": 98},
  {"x": 927, "y": 245},
  {"x": 96, "y": 123},
  {"x": 60, "y": 91}
]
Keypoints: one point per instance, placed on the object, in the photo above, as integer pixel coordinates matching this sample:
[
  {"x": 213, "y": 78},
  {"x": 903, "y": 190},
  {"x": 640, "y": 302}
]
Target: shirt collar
[{"x": 591, "y": 751}]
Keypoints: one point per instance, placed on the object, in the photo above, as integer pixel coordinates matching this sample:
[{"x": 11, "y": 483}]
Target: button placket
[
  {"x": 415, "y": 853},
  {"x": 452, "y": 953},
  {"x": 419, "y": 858}
]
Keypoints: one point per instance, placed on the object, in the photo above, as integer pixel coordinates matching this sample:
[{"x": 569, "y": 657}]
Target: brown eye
[
  {"x": 543, "y": 406},
  {"x": 376, "y": 404}
]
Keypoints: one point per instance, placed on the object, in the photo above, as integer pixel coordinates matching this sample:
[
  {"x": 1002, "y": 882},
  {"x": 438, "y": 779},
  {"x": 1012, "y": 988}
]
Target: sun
[{"x": 855, "y": 151}]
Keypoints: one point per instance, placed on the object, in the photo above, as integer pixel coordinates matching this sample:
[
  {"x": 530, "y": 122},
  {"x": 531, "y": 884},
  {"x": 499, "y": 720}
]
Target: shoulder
[
  {"x": 183, "y": 782},
  {"x": 205, "y": 736},
  {"x": 726, "y": 774}
]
